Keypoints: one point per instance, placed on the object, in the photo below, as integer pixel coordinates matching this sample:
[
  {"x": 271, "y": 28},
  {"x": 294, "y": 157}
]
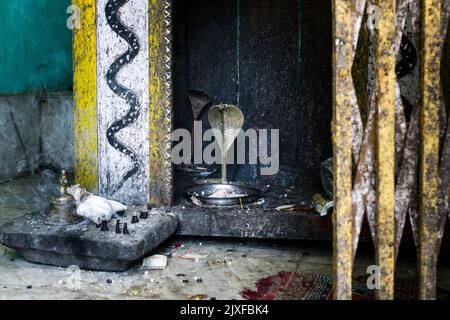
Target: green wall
[{"x": 35, "y": 46}]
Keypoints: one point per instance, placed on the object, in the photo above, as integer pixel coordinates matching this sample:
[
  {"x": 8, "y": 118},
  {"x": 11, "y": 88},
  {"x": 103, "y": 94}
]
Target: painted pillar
[
  {"x": 123, "y": 100},
  {"x": 161, "y": 111},
  {"x": 85, "y": 97}
]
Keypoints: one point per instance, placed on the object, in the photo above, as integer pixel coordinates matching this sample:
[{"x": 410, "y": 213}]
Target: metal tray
[
  {"x": 200, "y": 171},
  {"x": 203, "y": 192}
]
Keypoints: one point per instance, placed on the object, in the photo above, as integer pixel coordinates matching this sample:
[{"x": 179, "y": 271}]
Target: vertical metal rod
[
  {"x": 238, "y": 53},
  {"x": 342, "y": 150},
  {"x": 385, "y": 164},
  {"x": 224, "y": 147},
  {"x": 299, "y": 42},
  {"x": 429, "y": 149}
]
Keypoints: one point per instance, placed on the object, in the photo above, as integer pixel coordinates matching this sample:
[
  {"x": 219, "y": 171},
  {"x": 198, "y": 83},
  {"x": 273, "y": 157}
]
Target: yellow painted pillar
[
  {"x": 161, "y": 114},
  {"x": 123, "y": 99},
  {"x": 85, "y": 97}
]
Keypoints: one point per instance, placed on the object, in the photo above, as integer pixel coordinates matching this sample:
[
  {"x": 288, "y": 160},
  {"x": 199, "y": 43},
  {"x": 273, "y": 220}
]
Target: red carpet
[{"x": 309, "y": 286}]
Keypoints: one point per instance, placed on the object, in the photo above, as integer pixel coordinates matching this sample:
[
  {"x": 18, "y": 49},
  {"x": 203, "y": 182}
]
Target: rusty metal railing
[{"x": 397, "y": 162}]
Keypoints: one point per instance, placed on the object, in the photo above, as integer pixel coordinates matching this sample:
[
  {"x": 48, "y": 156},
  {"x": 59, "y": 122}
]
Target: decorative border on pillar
[{"x": 161, "y": 102}]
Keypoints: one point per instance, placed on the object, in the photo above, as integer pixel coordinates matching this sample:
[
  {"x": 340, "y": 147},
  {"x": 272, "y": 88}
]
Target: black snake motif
[{"x": 112, "y": 17}]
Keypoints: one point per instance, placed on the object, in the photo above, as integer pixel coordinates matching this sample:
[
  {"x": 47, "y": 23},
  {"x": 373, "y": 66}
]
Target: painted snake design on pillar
[{"x": 112, "y": 16}]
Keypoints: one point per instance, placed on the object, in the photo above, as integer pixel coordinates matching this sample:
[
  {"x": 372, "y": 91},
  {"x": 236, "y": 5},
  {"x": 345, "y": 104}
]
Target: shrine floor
[{"x": 217, "y": 268}]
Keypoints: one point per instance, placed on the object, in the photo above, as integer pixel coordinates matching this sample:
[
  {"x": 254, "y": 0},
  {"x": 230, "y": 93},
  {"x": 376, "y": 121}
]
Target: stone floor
[{"x": 225, "y": 266}]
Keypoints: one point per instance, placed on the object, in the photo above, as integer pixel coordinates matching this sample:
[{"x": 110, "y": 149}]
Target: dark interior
[{"x": 272, "y": 58}]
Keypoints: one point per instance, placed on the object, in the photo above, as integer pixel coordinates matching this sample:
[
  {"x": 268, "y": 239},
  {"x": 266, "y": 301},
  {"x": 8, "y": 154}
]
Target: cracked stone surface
[{"x": 85, "y": 245}]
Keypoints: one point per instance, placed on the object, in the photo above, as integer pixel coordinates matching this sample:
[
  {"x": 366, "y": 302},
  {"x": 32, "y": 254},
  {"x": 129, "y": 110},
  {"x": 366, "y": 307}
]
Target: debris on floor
[
  {"x": 155, "y": 262},
  {"x": 315, "y": 286},
  {"x": 294, "y": 207},
  {"x": 285, "y": 207},
  {"x": 199, "y": 297},
  {"x": 322, "y": 205},
  {"x": 178, "y": 245},
  {"x": 213, "y": 276},
  {"x": 197, "y": 201},
  {"x": 193, "y": 256}
]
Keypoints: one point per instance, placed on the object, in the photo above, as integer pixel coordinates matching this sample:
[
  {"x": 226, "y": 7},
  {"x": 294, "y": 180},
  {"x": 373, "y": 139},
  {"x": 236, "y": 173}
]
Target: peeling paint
[
  {"x": 342, "y": 148},
  {"x": 85, "y": 97},
  {"x": 161, "y": 113},
  {"x": 429, "y": 149},
  {"x": 114, "y": 165},
  {"x": 385, "y": 159}
]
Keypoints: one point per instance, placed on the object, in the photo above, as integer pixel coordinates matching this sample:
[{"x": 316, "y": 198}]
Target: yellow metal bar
[
  {"x": 385, "y": 164},
  {"x": 429, "y": 150},
  {"x": 342, "y": 149},
  {"x": 84, "y": 92}
]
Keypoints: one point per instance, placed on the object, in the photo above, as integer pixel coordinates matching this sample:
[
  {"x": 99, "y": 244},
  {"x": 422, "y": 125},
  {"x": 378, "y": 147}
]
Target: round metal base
[
  {"x": 220, "y": 194},
  {"x": 199, "y": 171},
  {"x": 61, "y": 221}
]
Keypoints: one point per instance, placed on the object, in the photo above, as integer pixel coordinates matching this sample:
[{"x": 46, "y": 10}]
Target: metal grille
[{"x": 401, "y": 167}]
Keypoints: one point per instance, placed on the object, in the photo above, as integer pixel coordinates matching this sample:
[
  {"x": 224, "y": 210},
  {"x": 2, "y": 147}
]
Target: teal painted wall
[{"x": 35, "y": 46}]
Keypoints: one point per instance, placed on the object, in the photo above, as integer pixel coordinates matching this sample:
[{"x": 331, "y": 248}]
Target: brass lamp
[{"x": 62, "y": 209}]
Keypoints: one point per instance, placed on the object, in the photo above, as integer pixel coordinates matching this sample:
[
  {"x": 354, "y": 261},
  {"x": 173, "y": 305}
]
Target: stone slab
[
  {"x": 85, "y": 245},
  {"x": 254, "y": 223},
  {"x": 256, "y": 220}
]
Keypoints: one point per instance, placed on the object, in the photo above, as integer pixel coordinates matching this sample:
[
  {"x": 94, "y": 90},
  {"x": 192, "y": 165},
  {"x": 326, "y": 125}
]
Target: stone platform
[
  {"x": 85, "y": 245},
  {"x": 253, "y": 223}
]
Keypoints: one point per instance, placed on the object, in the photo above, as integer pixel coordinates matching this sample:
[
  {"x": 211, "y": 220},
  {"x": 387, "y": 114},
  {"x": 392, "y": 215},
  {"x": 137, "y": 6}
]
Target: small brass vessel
[{"x": 62, "y": 209}]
